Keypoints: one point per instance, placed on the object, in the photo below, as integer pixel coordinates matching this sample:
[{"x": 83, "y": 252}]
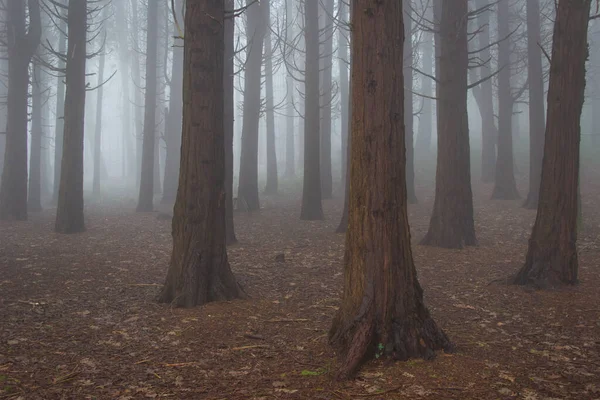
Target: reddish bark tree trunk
[
  {"x": 22, "y": 44},
  {"x": 312, "y": 208},
  {"x": 382, "y": 304},
  {"x": 199, "y": 271},
  {"x": 452, "y": 224},
  {"x": 536, "y": 102},
  {"x": 552, "y": 254},
  {"x": 69, "y": 213}
]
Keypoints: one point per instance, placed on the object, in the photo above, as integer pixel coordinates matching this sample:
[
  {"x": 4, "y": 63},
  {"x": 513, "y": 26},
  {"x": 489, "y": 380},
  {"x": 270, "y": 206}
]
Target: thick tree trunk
[
  {"x": 229, "y": 119},
  {"x": 98, "y": 128},
  {"x": 59, "y": 126},
  {"x": 408, "y": 104},
  {"x": 452, "y": 224},
  {"x": 173, "y": 125},
  {"x": 312, "y": 208},
  {"x": 382, "y": 306},
  {"x": 146, "y": 196},
  {"x": 536, "y": 103},
  {"x": 272, "y": 174},
  {"x": 199, "y": 271},
  {"x": 326, "y": 99},
  {"x": 505, "y": 187},
  {"x": 34, "y": 202},
  {"x": 484, "y": 96},
  {"x": 69, "y": 214},
  {"x": 552, "y": 254},
  {"x": 21, "y": 47},
  {"x": 343, "y": 62},
  {"x": 248, "y": 178}
]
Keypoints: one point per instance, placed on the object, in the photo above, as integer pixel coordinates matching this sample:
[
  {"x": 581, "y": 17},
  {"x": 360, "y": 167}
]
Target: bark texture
[
  {"x": 536, "y": 102},
  {"x": 552, "y": 253},
  {"x": 312, "y": 208},
  {"x": 22, "y": 44},
  {"x": 382, "y": 309},
  {"x": 199, "y": 271},
  {"x": 452, "y": 224},
  {"x": 69, "y": 213}
]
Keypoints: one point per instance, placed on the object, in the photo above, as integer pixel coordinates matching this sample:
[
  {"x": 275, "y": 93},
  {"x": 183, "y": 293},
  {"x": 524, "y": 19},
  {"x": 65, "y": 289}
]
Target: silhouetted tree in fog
[
  {"x": 326, "y": 86},
  {"x": 382, "y": 307},
  {"x": 408, "y": 103},
  {"x": 423, "y": 142},
  {"x": 98, "y": 126},
  {"x": 199, "y": 271},
  {"x": 290, "y": 156},
  {"x": 312, "y": 208},
  {"x": 271, "y": 186},
  {"x": 452, "y": 224},
  {"x": 255, "y": 33},
  {"x": 59, "y": 124},
  {"x": 34, "y": 201},
  {"x": 146, "y": 196},
  {"x": 69, "y": 213},
  {"x": 552, "y": 252},
  {"x": 228, "y": 118},
  {"x": 22, "y": 42},
  {"x": 536, "y": 102},
  {"x": 343, "y": 61}
]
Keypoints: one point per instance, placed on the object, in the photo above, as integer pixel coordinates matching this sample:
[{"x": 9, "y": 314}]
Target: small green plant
[
  {"x": 318, "y": 372},
  {"x": 379, "y": 352}
]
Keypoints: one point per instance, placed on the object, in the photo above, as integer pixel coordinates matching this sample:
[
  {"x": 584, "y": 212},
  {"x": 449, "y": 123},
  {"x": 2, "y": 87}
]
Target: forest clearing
[{"x": 82, "y": 320}]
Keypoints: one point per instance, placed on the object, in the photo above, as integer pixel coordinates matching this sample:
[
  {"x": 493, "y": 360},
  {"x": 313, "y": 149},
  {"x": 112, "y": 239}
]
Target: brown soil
[{"x": 79, "y": 318}]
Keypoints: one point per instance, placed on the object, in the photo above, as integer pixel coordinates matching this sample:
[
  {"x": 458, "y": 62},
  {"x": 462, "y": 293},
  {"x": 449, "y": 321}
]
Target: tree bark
[
  {"x": 505, "y": 187},
  {"x": 382, "y": 310},
  {"x": 98, "y": 127},
  {"x": 146, "y": 196},
  {"x": 312, "y": 208},
  {"x": 69, "y": 213},
  {"x": 271, "y": 186},
  {"x": 199, "y": 271},
  {"x": 536, "y": 102},
  {"x": 34, "y": 202},
  {"x": 552, "y": 253},
  {"x": 248, "y": 178},
  {"x": 22, "y": 44},
  {"x": 408, "y": 104},
  {"x": 173, "y": 125},
  {"x": 452, "y": 224},
  {"x": 229, "y": 119},
  {"x": 326, "y": 99}
]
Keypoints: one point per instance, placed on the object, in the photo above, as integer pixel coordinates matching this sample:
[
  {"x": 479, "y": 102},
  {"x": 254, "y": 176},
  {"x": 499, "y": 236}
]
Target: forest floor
[{"x": 79, "y": 318}]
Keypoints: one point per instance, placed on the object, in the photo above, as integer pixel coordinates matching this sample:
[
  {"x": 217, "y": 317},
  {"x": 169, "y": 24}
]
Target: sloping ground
[{"x": 79, "y": 320}]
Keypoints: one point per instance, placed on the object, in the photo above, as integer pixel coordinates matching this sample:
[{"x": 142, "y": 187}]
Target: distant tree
[
  {"x": 34, "y": 201},
  {"x": 22, "y": 42},
  {"x": 146, "y": 196},
  {"x": 343, "y": 61},
  {"x": 552, "y": 252},
  {"x": 452, "y": 224},
  {"x": 505, "y": 186},
  {"x": 59, "y": 125},
  {"x": 327, "y": 98},
  {"x": 382, "y": 305},
  {"x": 290, "y": 149},
  {"x": 255, "y": 33},
  {"x": 69, "y": 213},
  {"x": 272, "y": 174},
  {"x": 199, "y": 271},
  {"x": 98, "y": 125},
  {"x": 423, "y": 142},
  {"x": 536, "y": 102},
  {"x": 408, "y": 103},
  {"x": 312, "y": 208},
  {"x": 228, "y": 117}
]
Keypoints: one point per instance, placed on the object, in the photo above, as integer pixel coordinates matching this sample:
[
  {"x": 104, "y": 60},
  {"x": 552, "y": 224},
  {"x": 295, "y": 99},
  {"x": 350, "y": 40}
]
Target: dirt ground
[{"x": 78, "y": 318}]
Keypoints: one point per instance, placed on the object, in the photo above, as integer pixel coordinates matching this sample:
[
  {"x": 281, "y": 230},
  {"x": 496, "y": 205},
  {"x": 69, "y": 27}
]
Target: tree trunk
[
  {"x": 271, "y": 186},
  {"x": 138, "y": 134},
  {"x": 382, "y": 309},
  {"x": 3, "y": 94},
  {"x": 485, "y": 97},
  {"x": 34, "y": 202},
  {"x": 552, "y": 254},
  {"x": 98, "y": 127},
  {"x": 146, "y": 197},
  {"x": 248, "y": 178},
  {"x": 326, "y": 99},
  {"x": 452, "y": 224},
  {"x": 59, "y": 126},
  {"x": 536, "y": 103},
  {"x": 290, "y": 148},
  {"x": 229, "y": 119},
  {"x": 423, "y": 142},
  {"x": 173, "y": 125},
  {"x": 22, "y": 44},
  {"x": 408, "y": 104},
  {"x": 199, "y": 271},
  {"x": 505, "y": 187},
  {"x": 312, "y": 208},
  {"x": 343, "y": 63},
  {"x": 69, "y": 214}
]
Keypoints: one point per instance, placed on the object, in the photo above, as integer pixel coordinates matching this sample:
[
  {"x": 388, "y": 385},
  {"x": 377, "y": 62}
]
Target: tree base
[
  {"x": 531, "y": 203},
  {"x": 505, "y": 193},
  {"x": 447, "y": 238}
]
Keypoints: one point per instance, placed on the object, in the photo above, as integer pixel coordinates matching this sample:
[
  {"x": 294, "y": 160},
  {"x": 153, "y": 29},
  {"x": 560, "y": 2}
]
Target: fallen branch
[
  {"x": 256, "y": 346},
  {"x": 185, "y": 364}
]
